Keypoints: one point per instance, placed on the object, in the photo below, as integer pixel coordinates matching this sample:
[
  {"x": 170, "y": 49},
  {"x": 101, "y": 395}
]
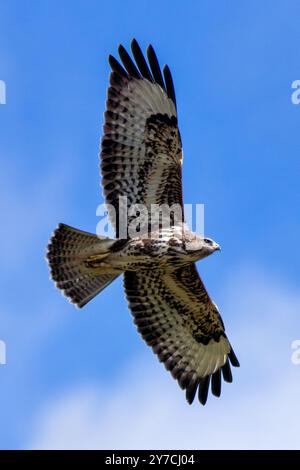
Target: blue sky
[{"x": 85, "y": 378}]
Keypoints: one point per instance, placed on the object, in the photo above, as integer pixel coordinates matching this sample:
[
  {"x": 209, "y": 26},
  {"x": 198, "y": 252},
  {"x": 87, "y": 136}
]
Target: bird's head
[{"x": 200, "y": 247}]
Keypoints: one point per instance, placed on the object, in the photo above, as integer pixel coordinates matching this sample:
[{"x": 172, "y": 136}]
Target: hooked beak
[{"x": 218, "y": 248}]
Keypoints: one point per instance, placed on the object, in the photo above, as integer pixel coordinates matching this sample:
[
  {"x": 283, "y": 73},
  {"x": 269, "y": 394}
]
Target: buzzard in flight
[{"x": 141, "y": 163}]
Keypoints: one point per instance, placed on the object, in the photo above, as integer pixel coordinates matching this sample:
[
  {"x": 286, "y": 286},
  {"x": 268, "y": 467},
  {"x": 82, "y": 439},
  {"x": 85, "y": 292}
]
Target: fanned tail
[{"x": 68, "y": 252}]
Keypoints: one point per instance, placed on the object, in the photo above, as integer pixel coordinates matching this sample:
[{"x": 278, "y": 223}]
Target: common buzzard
[{"x": 141, "y": 163}]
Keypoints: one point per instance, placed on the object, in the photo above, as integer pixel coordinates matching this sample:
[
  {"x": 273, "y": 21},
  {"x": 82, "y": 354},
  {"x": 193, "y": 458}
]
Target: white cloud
[{"x": 146, "y": 409}]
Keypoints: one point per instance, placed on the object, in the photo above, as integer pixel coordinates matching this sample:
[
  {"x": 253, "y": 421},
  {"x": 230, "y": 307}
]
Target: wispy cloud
[{"x": 145, "y": 408}]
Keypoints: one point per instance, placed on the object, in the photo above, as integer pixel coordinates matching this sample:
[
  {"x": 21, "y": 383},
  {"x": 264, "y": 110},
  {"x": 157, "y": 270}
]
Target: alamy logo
[
  {"x": 134, "y": 220},
  {"x": 296, "y": 94},
  {"x": 295, "y": 358},
  {"x": 2, "y": 92},
  {"x": 2, "y": 352}
]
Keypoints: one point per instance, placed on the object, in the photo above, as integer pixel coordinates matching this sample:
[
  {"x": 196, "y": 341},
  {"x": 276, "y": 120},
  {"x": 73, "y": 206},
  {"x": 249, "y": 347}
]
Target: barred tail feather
[{"x": 68, "y": 251}]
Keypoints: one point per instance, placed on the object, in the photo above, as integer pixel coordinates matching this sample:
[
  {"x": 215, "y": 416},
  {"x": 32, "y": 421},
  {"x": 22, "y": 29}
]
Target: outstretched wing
[
  {"x": 177, "y": 318},
  {"x": 141, "y": 152}
]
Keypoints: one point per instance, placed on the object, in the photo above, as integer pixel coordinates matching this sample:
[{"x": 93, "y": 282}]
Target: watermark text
[
  {"x": 2, "y": 92},
  {"x": 295, "y": 97},
  {"x": 155, "y": 220},
  {"x": 295, "y": 357},
  {"x": 2, "y": 352}
]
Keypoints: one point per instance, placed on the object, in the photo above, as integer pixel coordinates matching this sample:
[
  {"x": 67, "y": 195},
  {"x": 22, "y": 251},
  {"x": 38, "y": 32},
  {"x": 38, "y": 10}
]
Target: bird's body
[
  {"x": 141, "y": 162},
  {"x": 167, "y": 251}
]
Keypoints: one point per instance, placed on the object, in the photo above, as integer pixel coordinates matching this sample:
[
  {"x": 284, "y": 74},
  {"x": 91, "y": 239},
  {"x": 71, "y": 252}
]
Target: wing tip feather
[{"x": 140, "y": 69}]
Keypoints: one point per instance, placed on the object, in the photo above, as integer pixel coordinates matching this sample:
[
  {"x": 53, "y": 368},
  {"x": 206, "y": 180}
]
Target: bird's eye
[{"x": 207, "y": 240}]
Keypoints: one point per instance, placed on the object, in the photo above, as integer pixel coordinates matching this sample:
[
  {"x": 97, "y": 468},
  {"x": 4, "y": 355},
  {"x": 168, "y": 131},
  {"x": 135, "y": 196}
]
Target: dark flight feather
[
  {"x": 128, "y": 62},
  {"x": 169, "y": 84},
  {"x": 226, "y": 372},
  {"x": 203, "y": 390},
  {"x": 116, "y": 67},
  {"x": 140, "y": 60},
  {"x": 155, "y": 68},
  {"x": 233, "y": 359},
  {"x": 216, "y": 383}
]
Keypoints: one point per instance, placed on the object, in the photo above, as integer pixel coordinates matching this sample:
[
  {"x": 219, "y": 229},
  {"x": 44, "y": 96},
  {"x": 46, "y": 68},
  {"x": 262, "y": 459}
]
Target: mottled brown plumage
[{"x": 141, "y": 161}]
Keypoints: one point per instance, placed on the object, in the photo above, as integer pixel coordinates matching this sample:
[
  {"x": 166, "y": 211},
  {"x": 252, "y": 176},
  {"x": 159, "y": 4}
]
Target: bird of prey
[{"x": 141, "y": 164}]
